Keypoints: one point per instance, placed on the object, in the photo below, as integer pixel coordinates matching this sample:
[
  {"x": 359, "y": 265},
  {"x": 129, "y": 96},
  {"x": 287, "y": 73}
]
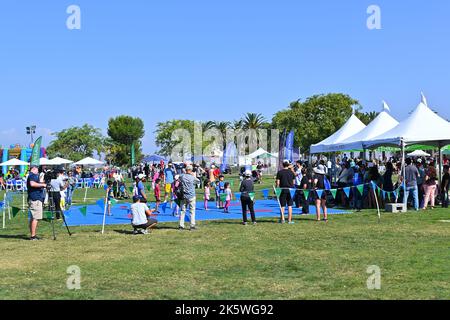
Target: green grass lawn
[{"x": 225, "y": 260}]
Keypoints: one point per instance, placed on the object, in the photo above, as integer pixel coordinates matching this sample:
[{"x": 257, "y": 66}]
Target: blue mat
[{"x": 121, "y": 213}]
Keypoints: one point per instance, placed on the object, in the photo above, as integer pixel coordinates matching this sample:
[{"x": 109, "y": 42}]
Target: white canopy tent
[
  {"x": 261, "y": 153},
  {"x": 14, "y": 163},
  {"x": 350, "y": 128},
  {"x": 423, "y": 126},
  {"x": 89, "y": 162},
  {"x": 381, "y": 124},
  {"x": 59, "y": 160},
  {"x": 47, "y": 162},
  {"x": 418, "y": 153}
]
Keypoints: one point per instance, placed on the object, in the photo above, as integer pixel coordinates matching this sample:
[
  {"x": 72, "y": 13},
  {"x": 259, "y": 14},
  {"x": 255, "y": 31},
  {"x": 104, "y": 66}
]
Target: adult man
[
  {"x": 71, "y": 188},
  {"x": 35, "y": 200},
  {"x": 285, "y": 181},
  {"x": 141, "y": 217},
  {"x": 187, "y": 184},
  {"x": 56, "y": 186},
  {"x": 410, "y": 179},
  {"x": 169, "y": 178}
]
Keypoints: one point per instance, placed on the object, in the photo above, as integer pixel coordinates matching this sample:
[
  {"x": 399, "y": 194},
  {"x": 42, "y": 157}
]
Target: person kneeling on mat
[{"x": 141, "y": 217}]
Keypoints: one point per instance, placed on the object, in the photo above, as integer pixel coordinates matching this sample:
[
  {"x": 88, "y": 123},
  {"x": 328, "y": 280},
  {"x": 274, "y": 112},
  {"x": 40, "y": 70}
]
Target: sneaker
[
  {"x": 244, "y": 223},
  {"x": 193, "y": 228},
  {"x": 144, "y": 231},
  {"x": 281, "y": 221},
  {"x": 181, "y": 228},
  {"x": 135, "y": 232},
  {"x": 35, "y": 238},
  {"x": 254, "y": 223},
  {"x": 291, "y": 222}
]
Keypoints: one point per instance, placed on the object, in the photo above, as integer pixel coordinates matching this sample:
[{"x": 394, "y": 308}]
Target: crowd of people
[{"x": 175, "y": 185}]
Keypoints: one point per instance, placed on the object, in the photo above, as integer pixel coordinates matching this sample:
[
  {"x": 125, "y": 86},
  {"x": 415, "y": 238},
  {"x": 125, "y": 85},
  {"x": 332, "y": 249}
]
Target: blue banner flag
[
  {"x": 290, "y": 146},
  {"x": 164, "y": 207},
  {"x": 347, "y": 192},
  {"x": 101, "y": 203},
  {"x": 319, "y": 193},
  {"x": 265, "y": 193}
]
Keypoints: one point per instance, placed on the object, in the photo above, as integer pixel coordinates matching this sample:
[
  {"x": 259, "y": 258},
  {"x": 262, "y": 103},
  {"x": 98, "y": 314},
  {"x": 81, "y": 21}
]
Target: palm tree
[
  {"x": 253, "y": 120},
  {"x": 237, "y": 124},
  {"x": 207, "y": 125},
  {"x": 222, "y": 126}
]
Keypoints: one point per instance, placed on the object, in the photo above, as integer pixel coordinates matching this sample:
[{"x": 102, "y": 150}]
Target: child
[
  {"x": 157, "y": 194},
  {"x": 207, "y": 194},
  {"x": 175, "y": 187},
  {"x": 228, "y": 198},
  {"x": 220, "y": 188},
  {"x": 109, "y": 195}
]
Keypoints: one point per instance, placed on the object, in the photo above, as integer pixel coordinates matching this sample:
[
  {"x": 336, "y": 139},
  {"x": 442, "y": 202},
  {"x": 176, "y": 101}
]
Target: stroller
[{"x": 122, "y": 191}]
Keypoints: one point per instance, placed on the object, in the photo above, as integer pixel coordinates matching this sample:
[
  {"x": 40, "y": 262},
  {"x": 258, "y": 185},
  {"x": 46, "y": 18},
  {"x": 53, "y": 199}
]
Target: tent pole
[
  {"x": 440, "y": 163},
  {"x": 403, "y": 171}
]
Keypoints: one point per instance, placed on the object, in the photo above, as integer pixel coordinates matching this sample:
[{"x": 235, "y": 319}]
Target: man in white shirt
[{"x": 141, "y": 217}]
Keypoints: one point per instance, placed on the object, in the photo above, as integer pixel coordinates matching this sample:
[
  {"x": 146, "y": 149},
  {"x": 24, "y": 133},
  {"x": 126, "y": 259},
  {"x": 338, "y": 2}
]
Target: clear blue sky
[{"x": 204, "y": 59}]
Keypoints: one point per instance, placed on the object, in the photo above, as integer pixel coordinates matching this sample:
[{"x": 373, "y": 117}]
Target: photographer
[
  {"x": 35, "y": 199},
  {"x": 58, "y": 183}
]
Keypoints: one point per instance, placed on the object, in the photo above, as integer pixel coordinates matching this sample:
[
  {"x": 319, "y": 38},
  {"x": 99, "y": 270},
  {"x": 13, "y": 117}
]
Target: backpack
[{"x": 179, "y": 193}]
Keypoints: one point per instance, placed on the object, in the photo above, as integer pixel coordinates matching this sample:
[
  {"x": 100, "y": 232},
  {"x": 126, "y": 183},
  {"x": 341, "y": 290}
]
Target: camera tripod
[{"x": 52, "y": 209}]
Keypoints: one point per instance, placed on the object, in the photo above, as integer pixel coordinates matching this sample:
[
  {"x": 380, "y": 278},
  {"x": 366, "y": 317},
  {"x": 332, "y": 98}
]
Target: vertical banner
[
  {"x": 133, "y": 155},
  {"x": 281, "y": 150},
  {"x": 36, "y": 152},
  {"x": 226, "y": 151},
  {"x": 290, "y": 146}
]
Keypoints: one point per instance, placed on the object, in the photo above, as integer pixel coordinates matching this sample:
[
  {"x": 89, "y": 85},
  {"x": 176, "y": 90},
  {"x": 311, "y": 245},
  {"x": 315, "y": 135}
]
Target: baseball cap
[
  {"x": 136, "y": 198},
  {"x": 141, "y": 176}
]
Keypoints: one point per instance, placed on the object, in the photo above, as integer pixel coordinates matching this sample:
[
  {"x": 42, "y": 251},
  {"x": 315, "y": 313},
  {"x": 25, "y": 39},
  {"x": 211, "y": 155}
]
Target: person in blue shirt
[
  {"x": 139, "y": 190},
  {"x": 35, "y": 200},
  {"x": 169, "y": 179}
]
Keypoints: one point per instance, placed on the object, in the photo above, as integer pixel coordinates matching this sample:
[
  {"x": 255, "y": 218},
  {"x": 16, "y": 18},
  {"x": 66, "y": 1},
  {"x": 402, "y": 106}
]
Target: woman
[
  {"x": 387, "y": 178},
  {"x": 246, "y": 188},
  {"x": 305, "y": 184},
  {"x": 319, "y": 184},
  {"x": 429, "y": 186}
]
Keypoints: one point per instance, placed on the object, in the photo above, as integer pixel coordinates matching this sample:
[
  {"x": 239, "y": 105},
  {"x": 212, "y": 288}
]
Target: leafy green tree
[
  {"x": 164, "y": 131},
  {"x": 76, "y": 143},
  {"x": 125, "y": 131},
  {"x": 366, "y": 117},
  {"x": 316, "y": 118}
]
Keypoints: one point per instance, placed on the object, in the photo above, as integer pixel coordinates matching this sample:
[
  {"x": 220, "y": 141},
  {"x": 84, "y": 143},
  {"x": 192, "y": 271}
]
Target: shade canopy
[
  {"x": 418, "y": 153},
  {"x": 381, "y": 124},
  {"x": 350, "y": 128},
  {"x": 59, "y": 160},
  {"x": 89, "y": 162},
  {"x": 423, "y": 126},
  {"x": 154, "y": 158},
  {"x": 47, "y": 162},
  {"x": 261, "y": 153},
  {"x": 14, "y": 162}
]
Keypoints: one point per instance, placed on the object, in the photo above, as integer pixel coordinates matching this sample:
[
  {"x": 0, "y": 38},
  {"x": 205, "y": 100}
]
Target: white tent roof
[
  {"x": 89, "y": 162},
  {"x": 259, "y": 153},
  {"x": 381, "y": 124},
  {"x": 59, "y": 160},
  {"x": 47, "y": 162},
  {"x": 350, "y": 128},
  {"x": 418, "y": 153},
  {"x": 423, "y": 126},
  {"x": 13, "y": 163}
]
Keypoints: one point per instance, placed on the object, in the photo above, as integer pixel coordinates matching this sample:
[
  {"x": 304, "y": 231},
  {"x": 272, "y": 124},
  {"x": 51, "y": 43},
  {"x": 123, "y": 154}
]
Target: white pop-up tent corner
[
  {"x": 89, "y": 162},
  {"x": 350, "y": 128},
  {"x": 381, "y": 124}
]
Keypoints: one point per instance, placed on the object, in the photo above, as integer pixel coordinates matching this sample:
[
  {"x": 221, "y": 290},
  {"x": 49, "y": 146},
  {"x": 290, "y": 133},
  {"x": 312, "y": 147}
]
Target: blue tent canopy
[{"x": 154, "y": 158}]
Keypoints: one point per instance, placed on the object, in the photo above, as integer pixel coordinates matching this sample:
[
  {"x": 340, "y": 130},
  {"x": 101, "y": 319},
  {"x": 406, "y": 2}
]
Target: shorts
[
  {"x": 314, "y": 196},
  {"x": 36, "y": 209},
  {"x": 168, "y": 188},
  {"x": 286, "y": 198},
  {"x": 145, "y": 225}
]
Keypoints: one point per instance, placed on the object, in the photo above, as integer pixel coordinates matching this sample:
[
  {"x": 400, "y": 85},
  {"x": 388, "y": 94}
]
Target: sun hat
[{"x": 320, "y": 169}]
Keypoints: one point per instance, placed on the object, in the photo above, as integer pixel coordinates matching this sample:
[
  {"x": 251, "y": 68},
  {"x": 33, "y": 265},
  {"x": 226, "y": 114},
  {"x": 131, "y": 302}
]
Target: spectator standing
[
  {"x": 246, "y": 188},
  {"x": 187, "y": 184},
  {"x": 286, "y": 180},
  {"x": 410, "y": 182},
  {"x": 430, "y": 186}
]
